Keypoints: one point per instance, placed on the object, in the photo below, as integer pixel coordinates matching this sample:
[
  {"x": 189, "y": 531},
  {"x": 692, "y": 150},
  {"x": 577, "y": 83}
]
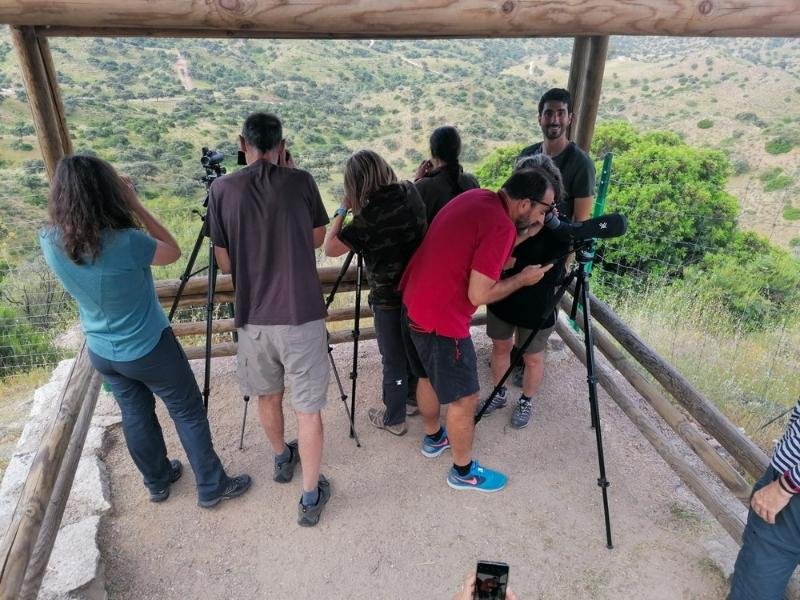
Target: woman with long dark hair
[
  {"x": 387, "y": 227},
  {"x": 96, "y": 247},
  {"x": 441, "y": 178}
]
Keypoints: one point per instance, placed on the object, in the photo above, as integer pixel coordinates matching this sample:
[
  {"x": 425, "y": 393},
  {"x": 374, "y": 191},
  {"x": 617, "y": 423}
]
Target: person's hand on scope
[
  {"x": 533, "y": 274},
  {"x": 468, "y": 588}
]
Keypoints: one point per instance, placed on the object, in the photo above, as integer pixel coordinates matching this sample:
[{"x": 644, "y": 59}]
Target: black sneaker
[
  {"x": 236, "y": 487},
  {"x": 308, "y": 516},
  {"x": 283, "y": 472},
  {"x": 175, "y": 472}
]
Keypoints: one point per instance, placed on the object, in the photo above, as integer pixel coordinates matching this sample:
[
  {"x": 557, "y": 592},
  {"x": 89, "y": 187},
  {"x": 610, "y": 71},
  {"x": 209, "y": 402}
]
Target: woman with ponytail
[{"x": 441, "y": 178}]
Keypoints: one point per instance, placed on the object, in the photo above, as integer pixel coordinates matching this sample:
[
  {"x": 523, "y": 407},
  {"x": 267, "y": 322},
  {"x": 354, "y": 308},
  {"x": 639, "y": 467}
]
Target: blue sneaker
[
  {"x": 499, "y": 401},
  {"x": 434, "y": 449},
  {"x": 479, "y": 478}
]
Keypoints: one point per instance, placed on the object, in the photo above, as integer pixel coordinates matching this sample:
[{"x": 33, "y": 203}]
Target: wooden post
[
  {"x": 40, "y": 97},
  {"x": 674, "y": 418},
  {"x": 55, "y": 94},
  {"x": 592, "y": 87},
  {"x": 577, "y": 77},
  {"x": 22, "y": 534},
  {"x": 729, "y": 520},
  {"x": 58, "y": 501},
  {"x": 742, "y": 448}
]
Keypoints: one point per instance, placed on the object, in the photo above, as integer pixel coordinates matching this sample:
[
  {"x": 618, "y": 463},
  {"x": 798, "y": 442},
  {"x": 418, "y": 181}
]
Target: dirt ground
[{"x": 395, "y": 530}]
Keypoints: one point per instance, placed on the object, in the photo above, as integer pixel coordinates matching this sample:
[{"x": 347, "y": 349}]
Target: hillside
[{"x": 148, "y": 105}]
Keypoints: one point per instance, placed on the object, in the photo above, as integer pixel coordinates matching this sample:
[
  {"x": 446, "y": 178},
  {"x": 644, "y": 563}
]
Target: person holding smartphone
[
  {"x": 96, "y": 247},
  {"x": 441, "y": 178},
  {"x": 510, "y": 321}
]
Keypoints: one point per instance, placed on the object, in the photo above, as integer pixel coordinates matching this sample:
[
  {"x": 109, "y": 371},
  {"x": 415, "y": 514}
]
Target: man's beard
[{"x": 553, "y": 133}]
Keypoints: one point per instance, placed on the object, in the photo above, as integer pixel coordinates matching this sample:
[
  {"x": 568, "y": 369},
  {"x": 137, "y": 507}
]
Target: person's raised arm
[
  {"x": 167, "y": 249},
  {"x": 485, "y": 290},
  {"x": 334, "y": 246}
]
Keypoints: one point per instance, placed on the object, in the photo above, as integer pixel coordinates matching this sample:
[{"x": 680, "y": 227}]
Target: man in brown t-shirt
[{"x": 265, "y": 222}]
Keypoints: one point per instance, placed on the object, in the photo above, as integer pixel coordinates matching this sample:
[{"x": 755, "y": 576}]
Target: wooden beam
[
  {"x": 336, "y": 337},
  {"x": 577, "y": 77},
  {"x": 58, "y": 501},
  {"x": 729, "y": 520},
  {"x": 55, "y": 94},
  {"x": 410, "y": 18},
  {"x": 21, "y": 536},
  {"x": 40, "y": 98},
  {"x": 592, "y": 87},
  {"x": 738, "y": 445}
]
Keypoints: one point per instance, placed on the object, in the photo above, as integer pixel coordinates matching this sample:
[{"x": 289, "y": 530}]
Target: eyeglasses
[{"x": 550, "y": 207}]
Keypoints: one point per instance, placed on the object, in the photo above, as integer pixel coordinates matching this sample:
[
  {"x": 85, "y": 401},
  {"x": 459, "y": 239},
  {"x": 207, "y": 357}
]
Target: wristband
[
  {"x": 787, "y": 484},
  {"x": 340, "y": 211}
]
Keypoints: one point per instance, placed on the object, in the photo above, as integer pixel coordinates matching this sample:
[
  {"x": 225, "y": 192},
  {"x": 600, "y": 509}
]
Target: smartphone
[{"x": 491, "y": 581}]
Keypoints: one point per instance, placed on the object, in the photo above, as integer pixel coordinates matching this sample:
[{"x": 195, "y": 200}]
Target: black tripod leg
[
  {"x": 342, "y": 273},
  {"x": 244, "y": 420},
  {"x": 591, "y": 378},
  {"x": 187, "y": 273},
  {"x": 580, "y": 286},
  {"x": 212, "y": 282},
  {"x": 343, "y": 396},
  {"x": 517, "y": 356},
  {"x": 356, "y": 335}
]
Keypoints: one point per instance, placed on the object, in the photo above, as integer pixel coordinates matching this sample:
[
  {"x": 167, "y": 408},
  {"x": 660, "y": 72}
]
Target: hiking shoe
[
  {"x": 175, "y": 472},
  {"x": 236, "y": 487},
  {"x": 308, "y": 516},
  {"x": 376, "y": 415},
  {"x": 433, "y": 449},
  {"x": 499, "y": 400},
  {"x": 517, "y": 375},
  {"x": 479, "y": 478},
  {"x": 412, "y": 410},
  {"x": 522, "y": 413},
  {"x": 283, "y": 472}
]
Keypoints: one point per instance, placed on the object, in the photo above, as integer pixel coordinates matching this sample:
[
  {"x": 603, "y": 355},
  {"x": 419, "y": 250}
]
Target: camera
[{"x": 211, "y": 161}]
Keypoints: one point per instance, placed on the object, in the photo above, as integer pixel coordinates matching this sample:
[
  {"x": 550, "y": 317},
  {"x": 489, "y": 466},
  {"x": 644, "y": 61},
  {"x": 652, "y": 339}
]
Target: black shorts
[{"x": 450, "y": 363}]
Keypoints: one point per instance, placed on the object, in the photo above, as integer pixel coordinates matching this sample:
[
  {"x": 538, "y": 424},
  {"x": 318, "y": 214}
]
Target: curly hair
[{"x": 86, "y": 197}]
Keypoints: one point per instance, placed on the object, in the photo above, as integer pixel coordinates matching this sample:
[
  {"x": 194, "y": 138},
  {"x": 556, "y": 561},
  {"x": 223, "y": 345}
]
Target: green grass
[
  {"x": 775, "y": 179},
  {"x": 791, "y": 213}
]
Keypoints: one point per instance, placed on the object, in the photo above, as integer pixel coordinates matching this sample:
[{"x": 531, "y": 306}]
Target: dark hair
[
  {"x": 446, "y": 146},
  {"x": 556, "y": 95},
  {"x": 263, "y": 131},
  {"x": 86, "y": 197},
  {"x": 530, "y": 184}
]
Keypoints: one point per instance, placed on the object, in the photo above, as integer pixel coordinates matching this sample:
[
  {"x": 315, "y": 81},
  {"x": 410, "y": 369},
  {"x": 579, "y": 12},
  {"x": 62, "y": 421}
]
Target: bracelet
[
  {"x": 789, "y": 482},
  {"x": 785, "y": 486},
  {"x": 340, "y": 211}
]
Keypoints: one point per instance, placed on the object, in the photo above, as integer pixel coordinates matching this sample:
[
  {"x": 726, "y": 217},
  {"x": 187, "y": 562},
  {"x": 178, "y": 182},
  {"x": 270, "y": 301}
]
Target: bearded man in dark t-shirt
[
  {"x": 265, "y": 222},
  {"x": 577, "y": 168}
]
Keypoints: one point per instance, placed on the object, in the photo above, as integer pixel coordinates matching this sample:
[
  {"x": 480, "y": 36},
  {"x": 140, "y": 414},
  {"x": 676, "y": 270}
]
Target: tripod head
[{"x": 211, "y": 161}]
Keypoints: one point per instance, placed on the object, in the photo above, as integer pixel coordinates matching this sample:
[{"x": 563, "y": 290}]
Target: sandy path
[{"x": 395, "y": 530}]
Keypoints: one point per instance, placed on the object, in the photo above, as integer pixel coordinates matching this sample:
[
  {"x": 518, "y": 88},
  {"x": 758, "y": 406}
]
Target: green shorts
[{"x": 497, "y": 329}]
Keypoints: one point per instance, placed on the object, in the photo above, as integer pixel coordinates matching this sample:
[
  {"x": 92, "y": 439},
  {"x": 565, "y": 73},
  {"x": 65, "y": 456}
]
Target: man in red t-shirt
[{"x": 456, "y": 269}]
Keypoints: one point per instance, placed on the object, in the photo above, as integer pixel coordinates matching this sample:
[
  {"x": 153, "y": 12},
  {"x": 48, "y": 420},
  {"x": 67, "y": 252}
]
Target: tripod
[
  {"x": 351, "y": 411},
  {"x": 213, "y": 170},
  {"x": 580, "y": 275}
]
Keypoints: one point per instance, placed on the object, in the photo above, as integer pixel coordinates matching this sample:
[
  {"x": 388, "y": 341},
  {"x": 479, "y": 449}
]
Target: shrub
[
  {"x": 775, "y": 179},
  {"x": 791, "y": 213},
  {"x": 779, "y": 145},
  {"x": 705, "y": 124},
  {"x": 22, "y": 346}
]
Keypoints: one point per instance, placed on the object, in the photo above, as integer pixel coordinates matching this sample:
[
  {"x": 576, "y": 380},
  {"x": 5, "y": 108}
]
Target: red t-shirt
[{"x": 473, "y": 231}]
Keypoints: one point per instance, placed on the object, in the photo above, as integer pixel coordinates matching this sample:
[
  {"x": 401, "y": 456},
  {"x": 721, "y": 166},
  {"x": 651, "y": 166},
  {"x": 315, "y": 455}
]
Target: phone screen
[{"x": 491, "y": 581}]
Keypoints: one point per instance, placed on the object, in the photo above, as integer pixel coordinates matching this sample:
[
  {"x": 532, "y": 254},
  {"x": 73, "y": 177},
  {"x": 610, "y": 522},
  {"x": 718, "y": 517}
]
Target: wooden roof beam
[{"x": 407, "y": 18}]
